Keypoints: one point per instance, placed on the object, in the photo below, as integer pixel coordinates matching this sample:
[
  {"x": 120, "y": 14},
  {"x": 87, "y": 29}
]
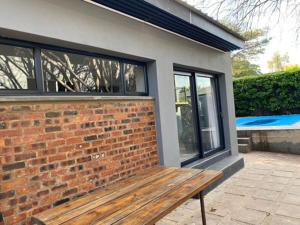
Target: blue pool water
[{"x": 284, "y": 120}]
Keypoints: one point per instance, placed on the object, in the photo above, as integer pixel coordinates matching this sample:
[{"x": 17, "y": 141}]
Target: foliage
[
  {"x": 278, "y": 62},
  {"x": 290, "y": 68},
  {"x": 275, "y": 93},
  {"x": 256, "y": 42},
  {"x": 241, "y": 67}
]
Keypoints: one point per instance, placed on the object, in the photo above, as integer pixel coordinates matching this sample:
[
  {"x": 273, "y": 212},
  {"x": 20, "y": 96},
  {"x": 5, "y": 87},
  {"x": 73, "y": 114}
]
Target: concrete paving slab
[{"x": 265, "y": 192}]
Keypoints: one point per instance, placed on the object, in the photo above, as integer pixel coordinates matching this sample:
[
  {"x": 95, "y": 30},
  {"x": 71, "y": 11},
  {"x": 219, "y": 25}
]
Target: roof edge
[{"x": 211, "y": 20}]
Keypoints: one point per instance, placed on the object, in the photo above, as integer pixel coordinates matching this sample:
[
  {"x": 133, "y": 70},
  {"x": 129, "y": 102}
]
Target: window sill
[{"x": 71, "y": 98}]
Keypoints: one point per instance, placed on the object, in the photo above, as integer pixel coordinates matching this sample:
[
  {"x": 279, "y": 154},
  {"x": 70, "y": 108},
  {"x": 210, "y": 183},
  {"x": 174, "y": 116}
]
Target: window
[
  {"x": 50, "y": 70},
  {"x": 16, "y": 68},
  {"x": 134, "y": 78},
  {"x": 66, "y": 72},
  {"x": 198, "y": 113}
]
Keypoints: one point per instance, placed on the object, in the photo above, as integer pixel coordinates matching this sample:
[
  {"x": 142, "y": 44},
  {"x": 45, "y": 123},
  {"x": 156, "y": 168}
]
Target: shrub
[{"x": 269, "y": 94}]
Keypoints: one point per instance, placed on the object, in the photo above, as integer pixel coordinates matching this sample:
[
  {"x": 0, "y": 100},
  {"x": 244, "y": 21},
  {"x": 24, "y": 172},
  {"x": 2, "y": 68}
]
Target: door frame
[{"x": 194, "y": 100}]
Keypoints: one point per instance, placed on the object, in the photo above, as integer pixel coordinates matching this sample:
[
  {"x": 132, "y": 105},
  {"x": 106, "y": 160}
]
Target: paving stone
[
  {"x": 239, "y": 190},
  {"x": 243, "y": 182},
  {"x": 294, "y": 190},
  {"x": 282, "y": 173},
  {"x": 217, "y": 209},
  {"x": 280, "y": 220},
  {"x": 266, "y": 194},
  {"x": 249, "y": 216},
  {"x": 296, "y": 182},
  {"x": 271, "y": 186},
  {"x": 250, "y": 176},
  {"x": 260, "y": 205},
  {"x": 166, "y": 222},
  {"x": 291, "y": 199},
  {"x": 197, "y": 220},
  {"x": 289, "y": 210},
  {"x": 276, "y": 179},
  {"x": 259, "y": 171}
]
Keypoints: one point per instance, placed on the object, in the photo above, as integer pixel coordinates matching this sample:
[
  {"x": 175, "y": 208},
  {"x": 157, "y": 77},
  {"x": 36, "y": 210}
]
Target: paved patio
[{"x": 265, "y": 192}]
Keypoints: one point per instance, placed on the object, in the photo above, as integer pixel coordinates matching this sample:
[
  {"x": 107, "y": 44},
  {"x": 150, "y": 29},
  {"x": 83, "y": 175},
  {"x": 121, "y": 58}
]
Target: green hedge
[{"x": 269, "y": 94}]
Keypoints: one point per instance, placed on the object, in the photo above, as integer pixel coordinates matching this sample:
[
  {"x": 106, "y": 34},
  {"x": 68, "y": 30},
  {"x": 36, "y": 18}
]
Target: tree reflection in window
[
  {"x": 67, "y": 72},
  {"x": 16, "y": 68},
  {"x": 134, "y": 78}
]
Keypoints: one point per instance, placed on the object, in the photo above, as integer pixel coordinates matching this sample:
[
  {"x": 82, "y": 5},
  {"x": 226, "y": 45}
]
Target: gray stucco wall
[{"x": 77, "y": 24}]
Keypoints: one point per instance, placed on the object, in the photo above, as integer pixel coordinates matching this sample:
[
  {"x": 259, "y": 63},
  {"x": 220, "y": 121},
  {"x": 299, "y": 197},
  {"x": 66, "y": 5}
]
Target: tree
[
  {"x": 241, "y": 67},
  {"x": 256, "y": 42},
  {"x": 290, "y": 68},
  {"x": 247, "y": 13},
  {"x": 278, "y": 62}
]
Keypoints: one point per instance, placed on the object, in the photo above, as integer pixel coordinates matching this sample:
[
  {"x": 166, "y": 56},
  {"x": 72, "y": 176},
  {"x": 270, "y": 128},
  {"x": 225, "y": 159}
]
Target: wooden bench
[{"x": 141, "y": 199}]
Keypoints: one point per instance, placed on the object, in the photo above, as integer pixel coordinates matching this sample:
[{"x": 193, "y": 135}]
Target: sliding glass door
[
  {"x": 208, "y": 113},
  {"x": 185, "y": 113},
  {"x": 198, "y": 115}
]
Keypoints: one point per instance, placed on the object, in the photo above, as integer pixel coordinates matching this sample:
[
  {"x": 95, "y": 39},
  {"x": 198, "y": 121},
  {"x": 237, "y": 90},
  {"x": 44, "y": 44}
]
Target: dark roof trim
[{"x": 149, "y": 13}]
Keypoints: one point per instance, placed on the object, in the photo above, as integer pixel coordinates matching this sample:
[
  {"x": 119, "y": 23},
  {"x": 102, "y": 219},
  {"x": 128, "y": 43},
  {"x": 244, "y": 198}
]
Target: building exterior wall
[
  {"x": 51, "y": 152},
  {"x": 81, "y": 25}
]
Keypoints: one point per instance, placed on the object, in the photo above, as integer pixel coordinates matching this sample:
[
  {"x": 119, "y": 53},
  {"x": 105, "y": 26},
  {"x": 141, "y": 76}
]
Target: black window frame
[
  {"x": 40, "y": 82},
  {"x": 216, "y": 76}
]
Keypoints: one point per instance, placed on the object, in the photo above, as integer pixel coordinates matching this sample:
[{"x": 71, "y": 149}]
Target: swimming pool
[{"x": 266, "y": 121}]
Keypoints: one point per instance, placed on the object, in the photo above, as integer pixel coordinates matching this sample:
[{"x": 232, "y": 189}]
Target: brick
[
  {"x": 52, "y": 114},
  {"x": 59, "y": 202},
  {"x": 58, "y": 187},
  {"x": 6, "y": 177},
  {"x": 46, "y": 167},
  {"x": 13, "y": 166},
  {"x": 57, "y": 158},
  {"x": 25, "y": 207},
  {"x": 38, "y": 146},
  {"x": 70, "y": 192},
  {"x": 52, "y": 129},
  {"x": 8, "y": 194},
  {"x": 3, "y": 125},
  {"x": 90, "y": 138},
  {"x": 87, "y": 125},
  {"x": 25, "y": 156},
  {"x": 21, "y": 108},
  {"x": 127, "y": 132},
  {"x": 70, "y": 113}
]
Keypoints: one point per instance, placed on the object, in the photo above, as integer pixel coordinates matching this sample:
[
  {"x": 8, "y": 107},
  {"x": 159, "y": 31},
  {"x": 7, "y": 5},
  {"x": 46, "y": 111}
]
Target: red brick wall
[{"x": 51, "y": 152}]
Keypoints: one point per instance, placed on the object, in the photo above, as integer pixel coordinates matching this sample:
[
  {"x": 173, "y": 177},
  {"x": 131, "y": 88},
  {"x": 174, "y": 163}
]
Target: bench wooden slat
[
  {"x": 132, "y": 201},
  {"x": 142, "y": 199},
  {"x": 148, "y": 175},
  {"x": 160, "y": 207},
  {"x": 157, "y": 193}
]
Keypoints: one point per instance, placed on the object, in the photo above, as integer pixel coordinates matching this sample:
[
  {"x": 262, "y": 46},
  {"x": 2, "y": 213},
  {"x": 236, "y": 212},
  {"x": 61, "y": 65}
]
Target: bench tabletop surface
[{"x": 141, "y": 199}]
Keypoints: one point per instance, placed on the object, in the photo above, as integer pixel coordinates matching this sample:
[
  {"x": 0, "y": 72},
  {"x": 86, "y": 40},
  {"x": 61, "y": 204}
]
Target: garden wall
[
  {"x": 270, "y": 94},
  {"x": 273, "y": 140},
  {"x": 51, "y": 152}
]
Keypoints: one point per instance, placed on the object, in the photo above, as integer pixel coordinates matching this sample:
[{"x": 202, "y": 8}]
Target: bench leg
[{"x": 201, "y": 197}]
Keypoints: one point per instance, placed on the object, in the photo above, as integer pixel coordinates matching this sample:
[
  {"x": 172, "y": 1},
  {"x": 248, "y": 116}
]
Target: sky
[
  {"x": 283, "y": 33},
  {"x": 284, "y": 40}
]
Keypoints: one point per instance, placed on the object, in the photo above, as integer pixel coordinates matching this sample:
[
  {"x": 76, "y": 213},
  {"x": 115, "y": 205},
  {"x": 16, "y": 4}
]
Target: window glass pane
[
  {"x": 67, "y": 72},
  {"x": 185, "y": 118},
  {"x": 208, "y": 113},
  {"x": 16, "y": 68},
  {"x": 134, "y": 78}
]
